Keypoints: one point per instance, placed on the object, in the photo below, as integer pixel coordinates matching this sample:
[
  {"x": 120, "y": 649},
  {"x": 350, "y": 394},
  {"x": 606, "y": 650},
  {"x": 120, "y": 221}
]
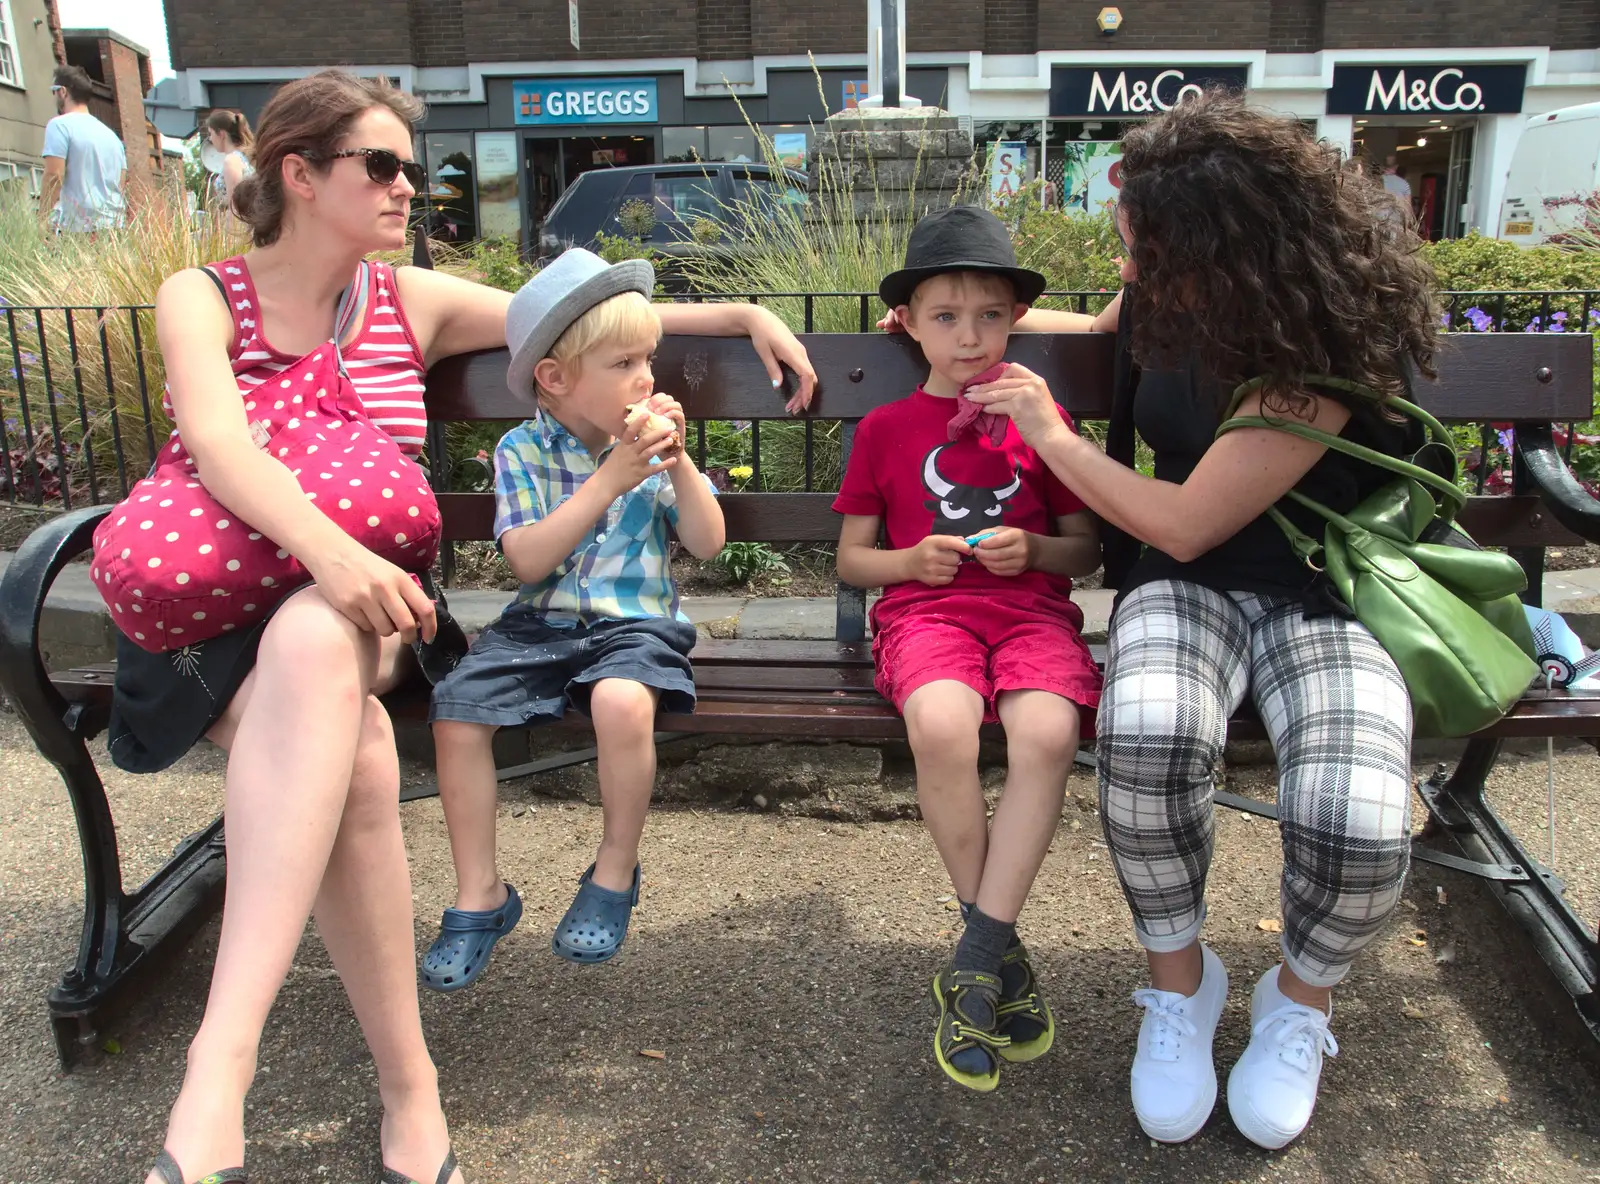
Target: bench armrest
[
  {"x": 1570, "y": 502},
  {"x": 23, "y": 589}
]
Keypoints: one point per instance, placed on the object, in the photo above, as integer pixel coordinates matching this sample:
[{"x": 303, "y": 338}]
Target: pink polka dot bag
[{"x": 177, "y": 568}]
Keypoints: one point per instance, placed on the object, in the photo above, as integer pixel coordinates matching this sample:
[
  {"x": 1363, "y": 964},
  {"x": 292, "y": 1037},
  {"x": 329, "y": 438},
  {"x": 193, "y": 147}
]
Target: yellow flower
[{"x": 741, "y": 472}]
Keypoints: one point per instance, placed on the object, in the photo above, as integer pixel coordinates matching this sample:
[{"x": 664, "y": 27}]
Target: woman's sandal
[
  {"x": 597, "y": 922},
  {"x": 167, "y": 1168},
  {"x": 390, "y": 1176},
  {"x": 1023, "y": 1015},
  {"x": 957, "y": 1032},
  {"x": 466, "y": 937}
]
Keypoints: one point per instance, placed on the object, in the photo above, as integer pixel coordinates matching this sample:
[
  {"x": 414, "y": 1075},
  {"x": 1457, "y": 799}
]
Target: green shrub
[
  {"x": 1479, "y": 264},
  {"x": 742, "y": 562}
]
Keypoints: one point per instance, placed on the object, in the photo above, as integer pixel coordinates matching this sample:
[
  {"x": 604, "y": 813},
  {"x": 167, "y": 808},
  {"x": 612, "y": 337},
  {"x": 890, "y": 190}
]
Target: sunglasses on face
[
  {"x": 384, "y": 166},
  {"x": 1116, "y": 224}
]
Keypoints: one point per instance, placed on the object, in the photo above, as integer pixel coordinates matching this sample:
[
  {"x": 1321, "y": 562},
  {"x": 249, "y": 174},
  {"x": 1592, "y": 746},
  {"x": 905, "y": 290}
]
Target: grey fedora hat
[{"x": 546, "y": 306}]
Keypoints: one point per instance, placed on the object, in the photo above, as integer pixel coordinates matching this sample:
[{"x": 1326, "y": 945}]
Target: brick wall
[
  {"x": 124, "y": 78},
  {"x": 1577, "y": 25},
  {"x": 211, "y": 33},
  {"x": 1011, "y": 26},
  {"x": 1427, "y": 24},
  {"x": 818, "y": 26},
  {"x": 1157, "y": 24},
  {"x": 291, "y": 32},
  {"x": 722, "y": 29},
  {"x": 1296, "y": 26},
  {"x": 530, "y": 30},
  {"x": 942, "y": 26},
  {"x": 437, "y": 38}
]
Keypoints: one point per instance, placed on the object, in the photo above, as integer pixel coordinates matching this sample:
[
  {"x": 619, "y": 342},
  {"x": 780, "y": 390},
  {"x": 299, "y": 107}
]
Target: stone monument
[{"x": 896, "y": 156}]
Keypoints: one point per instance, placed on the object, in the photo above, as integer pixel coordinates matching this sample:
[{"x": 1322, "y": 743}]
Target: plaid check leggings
[{"x": 1182, "y": 658}]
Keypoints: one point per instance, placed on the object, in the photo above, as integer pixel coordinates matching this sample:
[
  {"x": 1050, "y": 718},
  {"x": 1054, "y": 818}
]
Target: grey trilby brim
[
  {"x": 631, "y": 275},
  {"x": 897, "y": 286}
]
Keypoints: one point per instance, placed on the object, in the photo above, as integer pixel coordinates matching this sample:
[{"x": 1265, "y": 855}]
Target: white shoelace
[
  {"x": 1301, "y": 1034},
  {"x": 1169, "y": 1027}
]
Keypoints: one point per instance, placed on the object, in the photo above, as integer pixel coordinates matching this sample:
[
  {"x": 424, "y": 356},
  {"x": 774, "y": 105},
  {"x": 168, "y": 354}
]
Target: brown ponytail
[
  {"x": 307, "y": 117},
  {"x": 234, "y": 125}
]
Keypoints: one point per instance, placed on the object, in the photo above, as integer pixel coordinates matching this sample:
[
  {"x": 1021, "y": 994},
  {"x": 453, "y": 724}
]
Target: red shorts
[{"x": 990, "y": 643}]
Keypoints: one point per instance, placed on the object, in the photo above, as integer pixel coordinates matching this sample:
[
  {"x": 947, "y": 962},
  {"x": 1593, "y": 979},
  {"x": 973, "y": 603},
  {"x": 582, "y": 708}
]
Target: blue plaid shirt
[{"x": 620, "y": 570}]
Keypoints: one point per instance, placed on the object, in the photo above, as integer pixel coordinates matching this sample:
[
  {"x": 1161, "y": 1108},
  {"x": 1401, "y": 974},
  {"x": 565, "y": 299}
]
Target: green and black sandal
[
  {"x": 957, "y": 1033},
  {"x": 1022, "y": 1016}
]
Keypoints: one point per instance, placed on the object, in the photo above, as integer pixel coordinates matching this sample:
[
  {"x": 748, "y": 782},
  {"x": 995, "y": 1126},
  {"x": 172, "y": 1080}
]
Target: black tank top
[{"x": 1176, "y": 412}]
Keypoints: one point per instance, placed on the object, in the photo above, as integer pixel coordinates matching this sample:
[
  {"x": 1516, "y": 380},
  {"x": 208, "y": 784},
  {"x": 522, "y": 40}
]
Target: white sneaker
[
  {"x": 1174, "y": 1079},
  {"x": 1273, "y": 1088}
]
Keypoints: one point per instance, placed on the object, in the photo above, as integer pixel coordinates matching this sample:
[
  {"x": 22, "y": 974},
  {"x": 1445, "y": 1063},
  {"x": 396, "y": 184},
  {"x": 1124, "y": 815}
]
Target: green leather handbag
[{"x": 1446, "y": 610}]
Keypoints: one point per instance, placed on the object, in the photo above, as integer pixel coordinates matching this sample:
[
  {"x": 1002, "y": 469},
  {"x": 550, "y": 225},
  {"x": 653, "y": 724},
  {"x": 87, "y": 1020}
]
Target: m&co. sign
[
  {"x": 1122, "y": 92},
  {"x": 1427, "y": 89},
  {"x": 587, "y": 100}
]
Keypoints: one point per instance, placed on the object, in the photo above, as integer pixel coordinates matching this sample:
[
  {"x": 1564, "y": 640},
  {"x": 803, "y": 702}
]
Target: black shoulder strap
[{"x": 216, "y": 279}]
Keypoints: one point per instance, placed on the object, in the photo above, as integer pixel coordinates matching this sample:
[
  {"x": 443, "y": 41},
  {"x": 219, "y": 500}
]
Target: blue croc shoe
[
  {"x": 593, "y": 929},
  {"x": 461, "y": 951}
]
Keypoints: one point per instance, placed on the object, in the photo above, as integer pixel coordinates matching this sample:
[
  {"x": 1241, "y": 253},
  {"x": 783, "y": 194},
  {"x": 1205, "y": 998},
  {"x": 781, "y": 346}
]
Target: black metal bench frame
[{"x": 824, "y": 689}]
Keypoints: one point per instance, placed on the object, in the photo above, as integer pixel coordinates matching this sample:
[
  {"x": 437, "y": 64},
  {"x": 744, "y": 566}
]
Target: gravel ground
[{"x": 779, "y": 961}]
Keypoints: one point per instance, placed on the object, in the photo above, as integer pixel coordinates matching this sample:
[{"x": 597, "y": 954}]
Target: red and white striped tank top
[{"x": 383, "y": 359}]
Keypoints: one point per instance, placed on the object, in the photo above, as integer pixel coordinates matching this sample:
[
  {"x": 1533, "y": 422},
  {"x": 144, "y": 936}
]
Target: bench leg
[
  {"x": 1458, "y": 807},
  {"x": 122, "y": 931}
]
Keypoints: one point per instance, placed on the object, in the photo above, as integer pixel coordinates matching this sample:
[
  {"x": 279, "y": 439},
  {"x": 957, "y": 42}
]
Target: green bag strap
[
  {"x": 1453, "y": 497},
  {"x": 1306, "y": 547},
  {"x": 1436, "y": 430}
]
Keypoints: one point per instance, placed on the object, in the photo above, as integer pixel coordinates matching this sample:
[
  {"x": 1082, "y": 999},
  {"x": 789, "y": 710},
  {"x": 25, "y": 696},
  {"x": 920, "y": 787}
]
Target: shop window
[
  {"x": 735, "y": 143},
  {"x": 451, "y": 206},
  {"x": 499, "y": 192},
  {"x": 791, "y": 144},
  {"x": 683, "y": 145}
]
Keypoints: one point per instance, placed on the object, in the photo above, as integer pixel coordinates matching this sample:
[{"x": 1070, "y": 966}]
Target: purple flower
[
  {"x": 29, "y": 358},
  {"x": 1444, "y": 320},
  {"x": 1482, "y": 322},
  {"x": 1507, "y": 438},
  {"x": 1534, "y": 326},
  {"x": 1594, "y": 314}
]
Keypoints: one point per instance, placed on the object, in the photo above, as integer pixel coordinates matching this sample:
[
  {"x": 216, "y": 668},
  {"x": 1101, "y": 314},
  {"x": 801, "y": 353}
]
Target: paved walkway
[{"x": 777, "y": 974}]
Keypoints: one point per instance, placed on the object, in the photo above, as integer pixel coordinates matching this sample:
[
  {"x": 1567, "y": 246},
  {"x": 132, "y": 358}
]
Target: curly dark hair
[{"x": 1262, "y": 252}]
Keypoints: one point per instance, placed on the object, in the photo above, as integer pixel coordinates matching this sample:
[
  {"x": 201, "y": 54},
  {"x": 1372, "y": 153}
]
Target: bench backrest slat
[
  {"x": 1499, "y": 376},
  {"x": 1483, "y": 376}
]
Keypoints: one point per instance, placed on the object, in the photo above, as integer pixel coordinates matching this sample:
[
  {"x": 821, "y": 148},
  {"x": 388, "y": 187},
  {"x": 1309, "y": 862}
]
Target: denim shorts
[{"x": 522, "y": 670}]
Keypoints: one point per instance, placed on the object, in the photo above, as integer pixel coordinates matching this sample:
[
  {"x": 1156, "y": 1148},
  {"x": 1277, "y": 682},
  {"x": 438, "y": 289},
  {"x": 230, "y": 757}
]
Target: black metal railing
[{"x": 81, "y": 415}]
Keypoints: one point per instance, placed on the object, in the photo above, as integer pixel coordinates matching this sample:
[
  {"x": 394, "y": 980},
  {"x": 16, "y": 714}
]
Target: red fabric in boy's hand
[{"x": 972, "y": 415}]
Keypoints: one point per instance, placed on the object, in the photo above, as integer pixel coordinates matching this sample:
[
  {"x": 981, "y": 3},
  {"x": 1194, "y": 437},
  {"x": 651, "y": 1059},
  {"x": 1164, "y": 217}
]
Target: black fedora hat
[{"x": 961, "y": 238}]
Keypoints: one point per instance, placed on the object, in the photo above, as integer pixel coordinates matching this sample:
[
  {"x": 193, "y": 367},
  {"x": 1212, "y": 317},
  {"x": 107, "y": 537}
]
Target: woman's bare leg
[
  {"x": 292, "y": 732},
  {"x": 364, "y": 915}
]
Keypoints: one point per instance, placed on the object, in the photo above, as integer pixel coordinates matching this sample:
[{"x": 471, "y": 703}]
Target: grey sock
[{"x": 983, "y": 947}]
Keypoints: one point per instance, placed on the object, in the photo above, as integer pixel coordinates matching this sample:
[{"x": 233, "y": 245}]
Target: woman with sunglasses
[
  {"x": 313, "y": 825},
  {"x": 1254, "y": 251}
]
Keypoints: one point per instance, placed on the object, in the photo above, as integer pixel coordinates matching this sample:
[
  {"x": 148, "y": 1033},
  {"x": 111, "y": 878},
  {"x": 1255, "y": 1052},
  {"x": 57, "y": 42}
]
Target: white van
[{"x": 1555, "y": 173}]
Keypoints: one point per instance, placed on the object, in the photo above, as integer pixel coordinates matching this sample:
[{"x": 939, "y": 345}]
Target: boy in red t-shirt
[{"x": 975, "y": 622}]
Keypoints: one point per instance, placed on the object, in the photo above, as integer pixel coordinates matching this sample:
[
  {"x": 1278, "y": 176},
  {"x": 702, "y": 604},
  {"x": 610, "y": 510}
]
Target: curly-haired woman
[
  {"x": 1253, "y": 251},
  {"x": 313, "y": 780}
]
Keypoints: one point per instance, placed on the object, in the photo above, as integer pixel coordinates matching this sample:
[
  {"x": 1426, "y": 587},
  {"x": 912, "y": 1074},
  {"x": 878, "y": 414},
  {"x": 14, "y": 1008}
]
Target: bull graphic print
[{"x": 964, "y": 509}]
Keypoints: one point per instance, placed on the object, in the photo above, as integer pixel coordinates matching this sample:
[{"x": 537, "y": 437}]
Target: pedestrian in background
[
  {"x": 85, "y": 165},
  {"x": 229, "y": 133}
]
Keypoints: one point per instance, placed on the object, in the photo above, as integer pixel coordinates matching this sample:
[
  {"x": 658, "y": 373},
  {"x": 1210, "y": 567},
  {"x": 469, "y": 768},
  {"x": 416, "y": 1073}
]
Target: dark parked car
[{"x": 679, "y": 196}]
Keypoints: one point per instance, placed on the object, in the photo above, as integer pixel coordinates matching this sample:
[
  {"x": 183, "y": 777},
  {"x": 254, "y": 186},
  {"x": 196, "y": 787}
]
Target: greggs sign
[
  {"x": 586, "y": 100},
  {"x": 1427, "y": 89},
  {"x": 1122, "y": 92}
]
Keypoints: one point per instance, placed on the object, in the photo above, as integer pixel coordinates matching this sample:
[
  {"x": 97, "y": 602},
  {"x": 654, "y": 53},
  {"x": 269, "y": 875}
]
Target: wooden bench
[{"x": 824, "y": 689}]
